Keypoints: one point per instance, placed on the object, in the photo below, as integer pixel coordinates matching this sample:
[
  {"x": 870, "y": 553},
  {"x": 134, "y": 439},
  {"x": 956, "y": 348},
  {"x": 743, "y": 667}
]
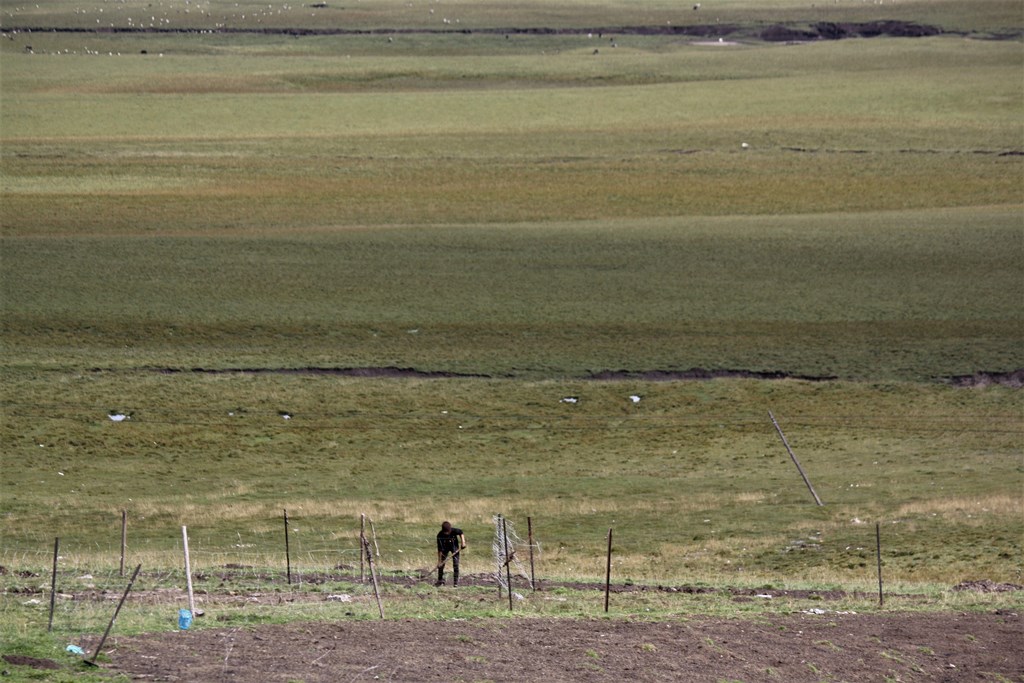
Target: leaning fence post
[
  {"x": 795, "y": 461},
  {"x": 113, "y": 618},
  {"x": 373, "y": 575},
  {"x": 373, "y": 533}
]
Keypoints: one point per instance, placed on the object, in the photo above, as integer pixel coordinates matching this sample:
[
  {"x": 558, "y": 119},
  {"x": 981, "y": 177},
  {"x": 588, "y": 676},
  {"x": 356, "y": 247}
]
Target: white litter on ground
[
  {"x": 118, "y": 417},
  {"x": 570, "y": 399},
  {"x": 634, "y": 398}
]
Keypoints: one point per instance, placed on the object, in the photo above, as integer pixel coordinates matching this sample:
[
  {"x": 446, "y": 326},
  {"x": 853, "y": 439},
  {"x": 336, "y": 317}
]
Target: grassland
[
  {"x": 681, "y": 471},
  {"x": 531, "y": 212}
]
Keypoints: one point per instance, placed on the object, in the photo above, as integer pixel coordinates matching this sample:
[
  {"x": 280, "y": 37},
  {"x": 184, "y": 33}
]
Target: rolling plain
[{"x": 552, "y": 261}]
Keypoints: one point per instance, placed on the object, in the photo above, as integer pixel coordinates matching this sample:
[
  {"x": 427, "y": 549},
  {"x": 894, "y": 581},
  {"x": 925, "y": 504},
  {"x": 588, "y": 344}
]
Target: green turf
[{"x": 856, "y": 296}]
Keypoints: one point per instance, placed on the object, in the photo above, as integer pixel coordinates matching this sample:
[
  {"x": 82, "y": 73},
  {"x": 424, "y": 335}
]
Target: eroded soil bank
[{"x": 779, "y": 32}]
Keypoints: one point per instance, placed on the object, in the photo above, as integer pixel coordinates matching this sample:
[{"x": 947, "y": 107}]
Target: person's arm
[{"x": 462, "y": 541}]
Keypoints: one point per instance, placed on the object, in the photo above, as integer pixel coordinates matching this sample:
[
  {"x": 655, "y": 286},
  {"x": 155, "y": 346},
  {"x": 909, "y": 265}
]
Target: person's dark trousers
[{"x": 455, "y": 569}]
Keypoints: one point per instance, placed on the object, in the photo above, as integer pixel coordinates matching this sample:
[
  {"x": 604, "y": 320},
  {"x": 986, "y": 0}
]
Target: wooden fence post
[
  {"x": 497, "y": 575},
  {"x": 124, "y": 538},
  {"x": 373, "y": 533},
  {"x": 508, "y": 563},
  {"x": 878, "y": 552},
  {"x": 114, "y": 618},
  {"x": 53, "y": 582},
  {"x": 363, "y": 548},
  {"x": 287, "y": 549},
  {"x": 373, "y": 576},
  {"x": 608, "y": 571},
  {"x": 188, "y": 575},
  {"x": 529, "y": 535}
]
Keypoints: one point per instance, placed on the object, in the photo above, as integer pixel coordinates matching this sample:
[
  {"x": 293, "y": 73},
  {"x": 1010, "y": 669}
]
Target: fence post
[
  {"x": 608, "y": 571},
  {"x": 188, "y": 573},
  {"x": 124, "y": 538},
  {"x": 114, "y": 618},
  {"x": 508, "y": 562},
  {"x": 53, "y": 582},
  {"x": 287, "y": 549},
  {"x": 529, "y": 535},
  {"x": 363, "y": 549},
  {"x": 373, "y": 575},
  {"x": 878, "y": 552},
  {"x": 795, "y": 461}
]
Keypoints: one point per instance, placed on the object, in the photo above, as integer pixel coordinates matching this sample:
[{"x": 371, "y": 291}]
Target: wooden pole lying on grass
[
  {"x": 795, "y": 461},
  {"x": 124, "y": 538},
  {"x": 53, "y": 582},
  {"x": 878, "y": 552},
  {"x": 608, "y": 571},
  {"x": 529, "y": 535},
  {"x": 373, "y": 575},
  {"x": 106, "y": 633},
  {"x": 287, "y": 550}
]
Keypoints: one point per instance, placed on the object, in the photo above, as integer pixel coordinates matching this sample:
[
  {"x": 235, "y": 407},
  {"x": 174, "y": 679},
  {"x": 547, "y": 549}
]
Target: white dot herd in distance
[
  {"x": 181, "y": 13},
  {"x": 125, "y": 416},
  {"x": 185, "y": 14}
]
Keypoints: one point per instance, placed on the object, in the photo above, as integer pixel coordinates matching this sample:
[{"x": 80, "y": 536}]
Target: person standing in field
[{"x": 449, "y": 541}]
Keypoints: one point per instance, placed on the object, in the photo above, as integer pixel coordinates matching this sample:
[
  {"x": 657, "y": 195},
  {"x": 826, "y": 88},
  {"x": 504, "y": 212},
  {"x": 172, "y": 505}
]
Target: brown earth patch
[
  {"x": 382, "y": 371},
  {"x": 701, "y": 374},
  {"x": 982, "y": 378},
  {"x": 604, "y": 375},
  {"x": 31, "y": 662},
  {"x": 787, "y": 32},
  {"x": 1014, "y": 379},
  {"x": 986, "y": 586},
  {"x": 797, "y": 647}
]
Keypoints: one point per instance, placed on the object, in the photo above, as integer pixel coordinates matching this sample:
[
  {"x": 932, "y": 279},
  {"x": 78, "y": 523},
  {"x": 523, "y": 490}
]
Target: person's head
[{"x": 446, "y": 527}]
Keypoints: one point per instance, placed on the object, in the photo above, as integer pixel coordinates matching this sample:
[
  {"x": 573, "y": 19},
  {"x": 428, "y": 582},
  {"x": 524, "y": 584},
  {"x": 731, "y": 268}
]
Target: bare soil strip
[
  {"x": 783, "y": 32},
  {"x": 981, "y": 378},
  {"x": 798, "y": 647}
]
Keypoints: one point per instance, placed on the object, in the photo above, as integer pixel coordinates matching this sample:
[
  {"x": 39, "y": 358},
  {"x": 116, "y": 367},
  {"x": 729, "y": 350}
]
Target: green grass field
[{"x": 526, "y": 210}]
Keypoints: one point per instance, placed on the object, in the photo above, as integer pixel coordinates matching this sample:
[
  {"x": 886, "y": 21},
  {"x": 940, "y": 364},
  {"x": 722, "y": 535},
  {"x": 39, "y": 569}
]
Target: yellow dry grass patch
[
  {"x": 963, "y": 509},
  {"x": 416, "y": 512}
]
